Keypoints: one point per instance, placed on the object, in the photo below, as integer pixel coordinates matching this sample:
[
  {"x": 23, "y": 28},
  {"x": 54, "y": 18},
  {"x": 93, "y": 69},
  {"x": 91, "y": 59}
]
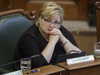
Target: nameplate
[
  {"x": 80, "y": 59},
  {"x": 19, "y": 72}
]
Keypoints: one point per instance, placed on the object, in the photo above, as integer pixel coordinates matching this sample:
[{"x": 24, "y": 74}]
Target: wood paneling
[
  {"x": 4, "y": 5},
  {"x": 94, "y": 0},
  {"x": 86, "y": 42},
  {"x": 74, "y": 9},
  {"x": 98, "y": 25},
  {"x": 67, "y": 8},
  {"x": 18, "y": 4},
  {"x": 70, "y": 9},
  {"x": 82, "y": 6},
  {"x": 52, "y": 0},
  {"x": 98, "y": 20}
]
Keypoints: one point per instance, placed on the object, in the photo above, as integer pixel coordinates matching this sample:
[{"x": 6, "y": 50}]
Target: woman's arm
[
  {"x": 67, "y": 46},
  {"x": 29, "y": 47},
  {"x": 48, "y": 51}
]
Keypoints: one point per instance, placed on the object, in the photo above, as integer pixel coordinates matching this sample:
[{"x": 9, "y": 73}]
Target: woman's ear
[{"x": 40, "y": 18}]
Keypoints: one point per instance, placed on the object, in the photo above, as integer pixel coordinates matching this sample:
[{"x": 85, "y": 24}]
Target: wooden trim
[
  {"x": 82, "y": 9},
  {"x": 97, "y": 24},
  {"x": 97, "y": 4},
  {"x": 17, "y": 4},
  {"x": 84, "y": 33},
  {"x": 59, "y": 2},
  {"x": 32, "y": 16}
]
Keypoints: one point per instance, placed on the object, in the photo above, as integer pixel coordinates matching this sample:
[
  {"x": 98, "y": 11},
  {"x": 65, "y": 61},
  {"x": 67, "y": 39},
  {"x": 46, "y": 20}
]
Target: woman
[{"x": 47, "y": 37}]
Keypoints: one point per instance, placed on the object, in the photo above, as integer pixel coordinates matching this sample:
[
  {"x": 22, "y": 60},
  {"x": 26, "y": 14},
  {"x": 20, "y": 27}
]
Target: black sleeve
[
  {"x": 68, "y": 35},
  {"x": 29, "y": 47}
]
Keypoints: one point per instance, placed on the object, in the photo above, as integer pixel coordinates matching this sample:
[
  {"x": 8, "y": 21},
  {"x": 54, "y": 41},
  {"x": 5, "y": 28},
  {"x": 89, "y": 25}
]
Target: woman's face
[{"x": 47, "y": 24}]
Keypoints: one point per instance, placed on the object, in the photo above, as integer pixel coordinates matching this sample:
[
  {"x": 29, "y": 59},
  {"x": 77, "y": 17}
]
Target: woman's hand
[
  {"x": 56, "y": 31},
  {"x": 54, "y": 38},
  {"x": 69, "y": 46}
]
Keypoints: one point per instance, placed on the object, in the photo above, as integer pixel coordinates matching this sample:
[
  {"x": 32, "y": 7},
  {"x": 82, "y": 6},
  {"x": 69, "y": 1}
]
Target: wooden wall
[
  {"x": 4, "y": 5},
  {"x": 74, "y": 9},
  {"x": 18, "y": 4},
  {"x": 98, "y": 21},
  {"x": 86, "y": 42}
]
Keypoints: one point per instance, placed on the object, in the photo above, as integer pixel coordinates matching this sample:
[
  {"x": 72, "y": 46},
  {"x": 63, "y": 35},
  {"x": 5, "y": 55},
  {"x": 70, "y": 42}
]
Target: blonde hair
[{"x": 50, "y": 9}]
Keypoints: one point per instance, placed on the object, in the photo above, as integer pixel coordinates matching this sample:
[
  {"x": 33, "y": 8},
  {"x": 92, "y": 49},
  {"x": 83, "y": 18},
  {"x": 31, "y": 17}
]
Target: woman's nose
[{"x": 51, "y": 25}]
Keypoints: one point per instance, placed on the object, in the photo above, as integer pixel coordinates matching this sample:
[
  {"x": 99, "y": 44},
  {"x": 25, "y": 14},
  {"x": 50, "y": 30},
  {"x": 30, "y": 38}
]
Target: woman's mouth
[{"x": 49, "y": 29}]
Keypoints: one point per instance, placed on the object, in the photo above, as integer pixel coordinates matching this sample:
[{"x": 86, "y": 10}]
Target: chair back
[
  {"x": 97, "y": 4},
  {"x": 12, "y": 24}
]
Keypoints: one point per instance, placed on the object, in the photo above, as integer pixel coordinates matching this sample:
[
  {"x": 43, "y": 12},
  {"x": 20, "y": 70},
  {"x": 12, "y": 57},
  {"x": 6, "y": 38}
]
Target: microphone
[
  {"x": 74, "y": 51},
  {"x": 19, "y": 60},
  {"x": 80, "y": 52},
  {"x": 77, "y": 54}
]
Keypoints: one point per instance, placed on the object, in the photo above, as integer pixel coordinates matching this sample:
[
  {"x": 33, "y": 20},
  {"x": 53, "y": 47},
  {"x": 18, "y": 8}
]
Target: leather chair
[
  {"x": 97, "y": 4},
  {"x": 12, "y": 24}
]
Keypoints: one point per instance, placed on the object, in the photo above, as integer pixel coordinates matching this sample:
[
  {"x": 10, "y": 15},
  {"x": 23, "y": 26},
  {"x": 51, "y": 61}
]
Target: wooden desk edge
[
  {"x": 64, "y": 65},
  {"x": 51, "y": 69}
]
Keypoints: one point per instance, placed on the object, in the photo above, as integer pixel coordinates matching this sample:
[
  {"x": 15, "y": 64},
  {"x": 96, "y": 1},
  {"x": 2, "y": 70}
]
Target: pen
[{"x": 33, "y": 71}]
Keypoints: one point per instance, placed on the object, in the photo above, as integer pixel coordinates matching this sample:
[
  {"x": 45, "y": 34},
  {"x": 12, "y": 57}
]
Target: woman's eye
[
  {"x": 56, "y": 22},
  {"x": 48, "y": 20}
]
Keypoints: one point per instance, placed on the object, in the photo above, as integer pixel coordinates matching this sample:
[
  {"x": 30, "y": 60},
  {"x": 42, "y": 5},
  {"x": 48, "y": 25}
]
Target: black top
[{"x": 32, "y": 43}]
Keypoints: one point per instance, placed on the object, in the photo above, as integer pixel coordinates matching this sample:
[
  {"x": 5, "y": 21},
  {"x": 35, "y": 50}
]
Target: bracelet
[{"x": 65, "y": 42}]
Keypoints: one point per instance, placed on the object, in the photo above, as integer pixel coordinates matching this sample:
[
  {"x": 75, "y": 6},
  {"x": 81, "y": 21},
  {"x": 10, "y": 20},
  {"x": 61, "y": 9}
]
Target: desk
[
  {"x": 85, "y": 69},
  {"x": 45, "y": 70},
  {"x": 49, "y": 70}
]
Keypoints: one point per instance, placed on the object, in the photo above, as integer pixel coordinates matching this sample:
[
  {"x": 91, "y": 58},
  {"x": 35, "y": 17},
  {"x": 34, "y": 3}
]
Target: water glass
[
  {"x": 97, "y": 49},
  {"x": 25, "y": 65}
]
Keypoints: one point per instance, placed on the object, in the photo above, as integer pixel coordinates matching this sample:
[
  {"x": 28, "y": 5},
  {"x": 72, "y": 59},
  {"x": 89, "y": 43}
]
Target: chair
[
  {"x": 12, "y": 24},
  {"x": 97, "y": 4}
]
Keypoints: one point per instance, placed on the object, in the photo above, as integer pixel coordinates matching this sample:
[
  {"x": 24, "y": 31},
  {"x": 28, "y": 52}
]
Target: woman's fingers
[{"x": 54, "y": 31}]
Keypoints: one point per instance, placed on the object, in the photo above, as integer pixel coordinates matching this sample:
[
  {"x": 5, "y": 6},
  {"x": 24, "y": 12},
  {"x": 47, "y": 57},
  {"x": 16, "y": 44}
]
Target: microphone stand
[{"x": 19, "y": 60}]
